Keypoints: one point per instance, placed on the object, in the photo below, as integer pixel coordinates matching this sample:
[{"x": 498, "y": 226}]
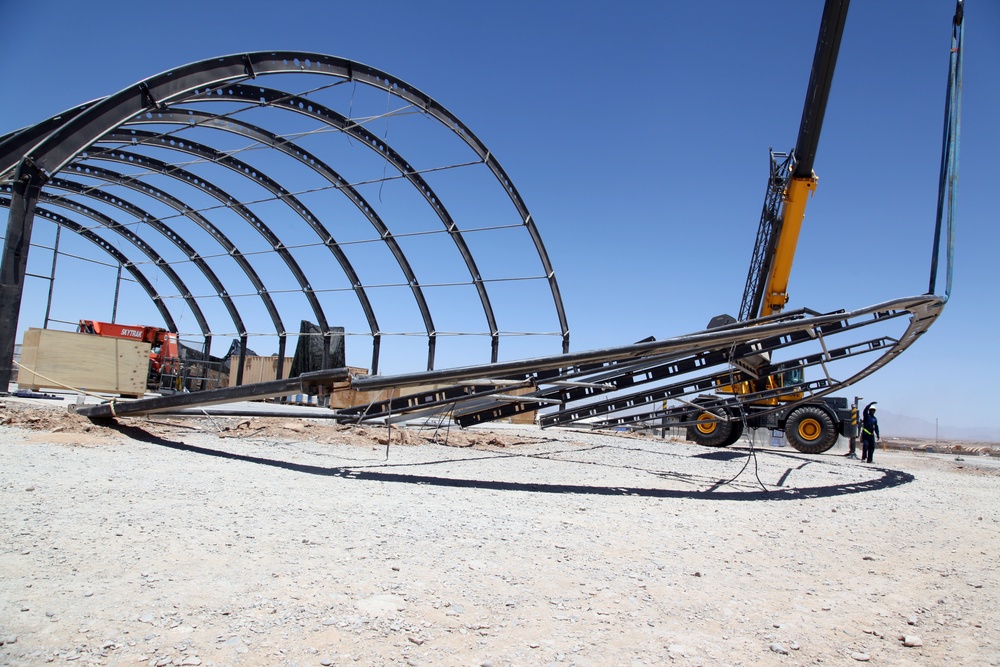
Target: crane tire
[
  {"x": 737, "y": 432},
  {"x": 708, "y": 433},
  {"x": 810, "y": 429}
]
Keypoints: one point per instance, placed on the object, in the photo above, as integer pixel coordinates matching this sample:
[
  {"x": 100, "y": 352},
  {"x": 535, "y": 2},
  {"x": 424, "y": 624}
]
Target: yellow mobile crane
[{"x": 812, "y": 427}]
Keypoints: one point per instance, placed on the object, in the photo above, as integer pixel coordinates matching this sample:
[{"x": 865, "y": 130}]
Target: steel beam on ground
[{"x": 307, "y": 383}]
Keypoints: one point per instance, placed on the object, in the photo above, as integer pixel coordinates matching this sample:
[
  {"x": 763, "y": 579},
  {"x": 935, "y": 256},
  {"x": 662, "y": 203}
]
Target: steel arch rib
[
  {"x": 379, "y": 79},
  {"x": 151, "y": 220},
  {"x": 260, "y": 178},
  {"x": 223, "y": 197},
  {"x": 144, "y": 248},
  {"x": 183, "y": 117},
  {"x": 14, "y": 145},
  {"x": 122, "y": 260},
  {"x": 316, "y": 111},
  {"x": 169, "y": 200}
]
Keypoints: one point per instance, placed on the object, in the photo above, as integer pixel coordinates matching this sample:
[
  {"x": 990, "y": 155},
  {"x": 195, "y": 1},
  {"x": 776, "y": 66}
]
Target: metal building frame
[{"x": 64, "y": 169}]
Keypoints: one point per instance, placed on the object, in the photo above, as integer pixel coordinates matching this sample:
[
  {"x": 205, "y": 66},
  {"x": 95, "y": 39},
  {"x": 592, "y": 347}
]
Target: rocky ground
[{"x": 264, "y": 541}]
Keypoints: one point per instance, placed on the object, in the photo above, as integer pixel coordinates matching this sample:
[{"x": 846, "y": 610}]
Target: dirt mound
[
  {"x": 42, "y": 419},
  {"x": 53, "y": 418}
]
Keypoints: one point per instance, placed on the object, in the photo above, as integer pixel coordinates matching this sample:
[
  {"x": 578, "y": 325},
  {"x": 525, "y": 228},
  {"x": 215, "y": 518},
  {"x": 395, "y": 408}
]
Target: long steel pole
[{"x": 52, "y": 279}]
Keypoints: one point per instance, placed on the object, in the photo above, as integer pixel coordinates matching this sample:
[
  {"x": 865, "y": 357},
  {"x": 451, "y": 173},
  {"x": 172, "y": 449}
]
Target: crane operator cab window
[{"x": 792, "y": 377}]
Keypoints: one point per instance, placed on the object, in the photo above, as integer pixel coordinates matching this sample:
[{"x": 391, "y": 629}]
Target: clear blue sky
[{"x": 637, "y": 134}]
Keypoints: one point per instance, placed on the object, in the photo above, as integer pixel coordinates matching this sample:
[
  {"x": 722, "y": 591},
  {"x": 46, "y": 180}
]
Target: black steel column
[
  {"x": 376, "y": 345},
  {"x": 281, "y": 357},
  {"x": 118, "y": 289},
  {"x": 243, "y": 360},
  {"x": 28, "y": 183}
]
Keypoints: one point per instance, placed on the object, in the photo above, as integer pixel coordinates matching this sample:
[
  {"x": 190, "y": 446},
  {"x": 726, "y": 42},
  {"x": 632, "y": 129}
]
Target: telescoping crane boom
[
  {"x": 812, "y": 426},
  {"x": 792, "y": 181}
]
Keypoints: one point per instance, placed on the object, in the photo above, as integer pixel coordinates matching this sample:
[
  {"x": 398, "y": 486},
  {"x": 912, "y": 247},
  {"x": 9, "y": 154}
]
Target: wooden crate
[
  {"x": 258, "y": 369},
  {"x": 61, "y": 359}
]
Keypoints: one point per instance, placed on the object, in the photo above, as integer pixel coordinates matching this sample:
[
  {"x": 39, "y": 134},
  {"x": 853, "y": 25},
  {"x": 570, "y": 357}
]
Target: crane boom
[{"x": 792, "y": 180}]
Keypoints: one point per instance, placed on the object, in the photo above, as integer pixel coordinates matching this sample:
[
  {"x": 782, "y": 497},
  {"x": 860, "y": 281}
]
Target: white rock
[{"x": 381, "y": 605}]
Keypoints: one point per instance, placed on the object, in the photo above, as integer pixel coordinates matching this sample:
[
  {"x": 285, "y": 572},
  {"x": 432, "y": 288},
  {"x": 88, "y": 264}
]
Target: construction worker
[{"x": 869, "y": 433}]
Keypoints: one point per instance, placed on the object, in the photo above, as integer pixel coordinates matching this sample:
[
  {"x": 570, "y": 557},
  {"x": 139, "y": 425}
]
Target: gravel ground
[{"x": 262, "y": 541}]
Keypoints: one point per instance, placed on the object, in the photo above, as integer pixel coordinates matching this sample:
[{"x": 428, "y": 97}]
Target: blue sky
[{"x": 637, "y": 134}]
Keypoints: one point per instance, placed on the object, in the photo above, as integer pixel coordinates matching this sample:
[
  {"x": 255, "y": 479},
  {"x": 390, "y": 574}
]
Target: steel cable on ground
[{"x": 751, "y": 432}]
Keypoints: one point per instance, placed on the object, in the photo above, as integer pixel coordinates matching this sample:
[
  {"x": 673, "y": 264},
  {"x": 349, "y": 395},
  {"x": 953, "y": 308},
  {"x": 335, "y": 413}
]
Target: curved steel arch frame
[
  {"x": 31, "y": 158},
  {"x": 154, "y": 257},
  {"x": 167, "y": 232}
]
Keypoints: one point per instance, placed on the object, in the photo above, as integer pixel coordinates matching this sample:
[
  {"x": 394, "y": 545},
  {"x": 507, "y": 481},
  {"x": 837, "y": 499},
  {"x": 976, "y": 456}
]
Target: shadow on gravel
[
  {"x": 888, "y": 478},
  {"x": 724, "y": 455}
]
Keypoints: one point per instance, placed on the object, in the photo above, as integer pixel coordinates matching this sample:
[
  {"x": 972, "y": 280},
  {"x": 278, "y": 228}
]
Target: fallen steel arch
[{"x": 62, "y": 154}]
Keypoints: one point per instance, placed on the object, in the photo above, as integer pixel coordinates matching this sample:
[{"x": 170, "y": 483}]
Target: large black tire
[
  {"x": 708, "y": 432},
  {"x": 810, "y": 429},
  {"x": 735, "y": 435}
]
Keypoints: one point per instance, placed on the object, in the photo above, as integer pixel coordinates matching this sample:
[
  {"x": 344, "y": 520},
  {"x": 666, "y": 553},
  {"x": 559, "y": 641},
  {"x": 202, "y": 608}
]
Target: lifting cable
[{"x": 948, "y": 178}]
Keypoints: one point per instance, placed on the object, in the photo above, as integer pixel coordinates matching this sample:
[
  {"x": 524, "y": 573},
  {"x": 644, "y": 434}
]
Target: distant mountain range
[{"x": 902, "y": 426}]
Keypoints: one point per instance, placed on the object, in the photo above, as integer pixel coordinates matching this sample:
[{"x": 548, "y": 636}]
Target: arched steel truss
[{"x": 108, "y": 161}]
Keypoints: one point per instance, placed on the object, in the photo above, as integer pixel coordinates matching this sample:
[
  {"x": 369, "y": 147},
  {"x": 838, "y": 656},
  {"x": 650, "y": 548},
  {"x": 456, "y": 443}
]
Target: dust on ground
[{"x": 297, "y": 542}]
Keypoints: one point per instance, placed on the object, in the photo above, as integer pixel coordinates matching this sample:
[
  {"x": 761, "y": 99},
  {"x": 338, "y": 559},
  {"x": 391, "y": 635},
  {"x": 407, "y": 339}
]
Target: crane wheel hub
[
  {"x": 810, "y": 429},
  {"x": 707, "y": 423}
]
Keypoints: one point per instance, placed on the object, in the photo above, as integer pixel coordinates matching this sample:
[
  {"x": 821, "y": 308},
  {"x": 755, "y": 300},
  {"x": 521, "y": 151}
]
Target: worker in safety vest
[{"x": 869, "y": 433}]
